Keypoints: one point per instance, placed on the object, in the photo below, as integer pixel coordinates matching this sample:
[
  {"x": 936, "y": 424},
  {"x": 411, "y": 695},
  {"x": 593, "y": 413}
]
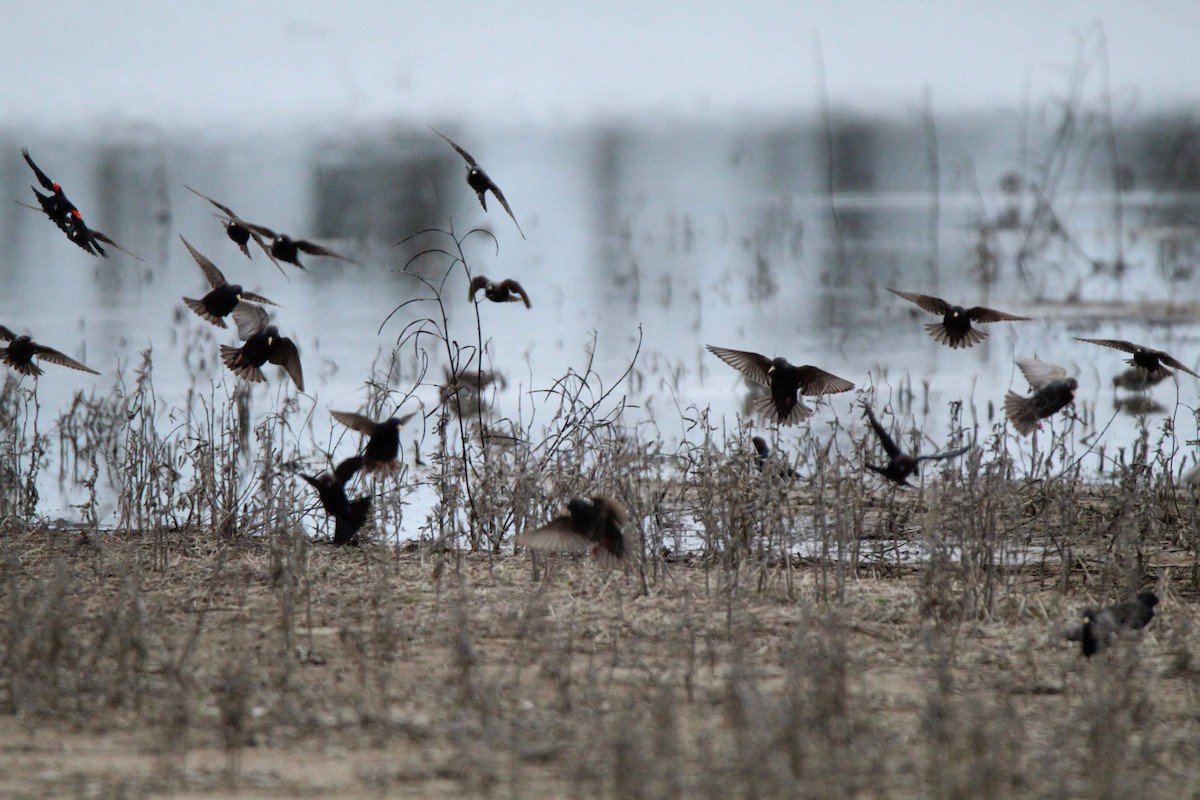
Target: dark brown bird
[
  {"x": 1136, "y": 379},
  {"x": 955, "y": 328},
  {"x": 785, "y": 381},
  {"x": 598, "y": 524},
  {"x": 224, "y": 296},
  {"x": 262, "y": 344},
  {"x": 763, "y": 452},
  {"x": 20, "y": 353},
  {"x": 1096, "y": 627},
  {"x": 285, "y": 248},
  {"x": 1053, "y": 390},
  {"x": 900, "y": 464},
  {"x": 239, "y": 231},
  {"x": 478, "y": 180},
  {"x": 384, "y": 443},
  {"x": 506, "y": 291},
  {"x": 348, "y": 515},
  {"x": 1144, "y": 357}
]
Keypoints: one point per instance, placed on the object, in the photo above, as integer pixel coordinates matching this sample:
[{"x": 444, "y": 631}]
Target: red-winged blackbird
[
  {"x": 263, "y": 344},
  {"x": 597, "y": 524},
  {"x": 224, "y": 296},
  {"x": 236, "y": 229},
  {"x": 63, "y": 213},
  {"x": 1095, "y": 628},
  {"x": 1053, "y": 390},
  {"x": 383, "y": 444},
  {"x": 21, "y": 350},
  {"x": 348, "y": 515},
  {"x": 900, "y": 464},
  {"x": 506, "y": 291},
  {"x": 478, "y": 180},
  {"x": 1146, "y": 358},
  {"x": 955, "y": 328},
  {"x": 785, "y": 382}
]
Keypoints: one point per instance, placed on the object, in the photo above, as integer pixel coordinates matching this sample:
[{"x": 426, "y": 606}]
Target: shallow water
[{"x": 674, "y": 238}]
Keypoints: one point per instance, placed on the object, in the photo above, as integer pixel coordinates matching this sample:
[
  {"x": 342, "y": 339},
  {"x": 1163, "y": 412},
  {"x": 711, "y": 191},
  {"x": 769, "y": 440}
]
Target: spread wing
[
  {"x": 250, "y": 319},
  {"x": 934, "y": 305},
  {"x": 1171, "y": 361},
  {"x": 344, "y": 471},
  {"x": 63, "y": 360},
  {"x": 500, "y": 196},
  {"x": 753, "y": 365},
  {"x": 357, "y": 422},
  {"x": 469, "y": 158},
  {"x": 516, "y": 288},
  {"x": 815, "y": 381},
  {"x": 215, "y": 278},
  {"x": 257, "y": 298},
  {"x": 261, "y": 230},
  {"x": 981, "y": 314},
  {"x": 224, "y": 208},
  {"x": 42, "y": 177},
  {"x": 314, "y": 249},
  {"x": 1118, "y": 344},
  {"x": 477, "y": 283},
  {"x": 98, "y": 235},
  {"x": 6, "y": 334},
  {"x": 285, "y": 354},
  {"x": 948, "y": 454},
  {"x": 561, "y": 534},
  {"x": 1040, "y": 373},
  {"x": 889, "y": 446}
]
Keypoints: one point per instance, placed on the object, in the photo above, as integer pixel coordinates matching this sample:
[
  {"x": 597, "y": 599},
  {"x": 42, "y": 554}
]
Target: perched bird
[
  {"x": 285, "y": 248},
  {"x": 763, "y": 452},
  {"x": 785, "y": 382},
  {"x": 239, "y": 231},
  {"x": 506, "y": 291},
  {"x": 955, "y": 328},
  {"x": 21, "y": 350},
  {"x": 1136, "y": 379},
  {"x": 1095, "y": 628},
  {"x": 63, "y": 213},
  {"x": 384, "y": 443},
  {"x": 262, "y": 344},
  {"x": 900, "y": 464},
  {"x": 1144, "y": 357},
  {"x": 1052, "y": 391},
  {"x": 478, "y": 180},
  {"x": 224, "y": 296},
  {"x": 597, "y": 523},
  {"x": 348, "y": 515}
]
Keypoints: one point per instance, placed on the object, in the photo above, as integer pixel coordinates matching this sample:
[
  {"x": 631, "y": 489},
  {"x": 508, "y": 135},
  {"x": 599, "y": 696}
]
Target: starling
[
  {"x": 1052, "y": 391},
  {"x": 1136, "y": 379},
  {"x": 597, "y": 524},
  {"x": 21, "y": 350},
  {"x": 900, "y": 464},
  {"x": 785, "y": 382},
  {"x": 478, "y": 180},
  {"x": 224, "y": 296},
  {"x": 1144, "y": 358},
  {"x": 763, "y": 452},
  {"x": 384, "y": 443},
  {"x": 285, "y": 248},
  {"x": 263, "y": 344},
  {"x": 506, "y": 291},
  {"x": 1095, "y": 628},
  {"x": 348, "y": 515},
  {"x": 63, "y": 213},
  {"x": 236, "y": 229},
  {"x": 955, "y": 328}
]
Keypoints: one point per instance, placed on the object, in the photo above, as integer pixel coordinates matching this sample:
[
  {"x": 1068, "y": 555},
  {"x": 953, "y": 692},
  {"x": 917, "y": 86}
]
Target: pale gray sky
[{"x": 231, "y": 62}]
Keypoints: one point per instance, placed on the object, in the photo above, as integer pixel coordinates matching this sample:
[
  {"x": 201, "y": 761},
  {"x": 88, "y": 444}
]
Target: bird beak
[
  {"x": 770, "y": 369},
  {"x": 270, "y": 341}
]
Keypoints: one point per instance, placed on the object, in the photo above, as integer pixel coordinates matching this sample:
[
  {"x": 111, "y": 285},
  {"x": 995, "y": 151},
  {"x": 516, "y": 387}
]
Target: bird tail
[
  {"x": 345, "y": 529},
  {"x": 202, "y": 312},
  {"x": 794, "y": 416},
  {"x": 232, "y": 356},
  {"x": 25, "y": 368},
  {"x": 1020, "y": 413},
  {"x": 939, "y": 332}
]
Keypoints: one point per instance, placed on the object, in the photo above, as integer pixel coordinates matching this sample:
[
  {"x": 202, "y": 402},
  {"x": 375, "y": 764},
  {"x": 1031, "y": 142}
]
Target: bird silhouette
[
  {"x": 597, "y": 524},
  {"x": 955, "y": 328},
  {"x": 224, "y": 296},
  {"x": 263, "y": 343},
  {"x": 383, "y": 444},
  {"x": 22, "y": 349},
  {"x": 1145, "y": 358},
  {"x": 478, "y": 180},
  {"x": 900, "y": 464},
  {"x": 1096, "y": 627},
  {"x": 785, "y": 381},
  {"x": 348, "y": 515},
  {"x": 506, "y": 291},
  {"x": 1052, "y": 390}
]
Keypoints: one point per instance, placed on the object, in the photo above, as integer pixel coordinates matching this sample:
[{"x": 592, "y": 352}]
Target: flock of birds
[{"x": 598, "y": 524}]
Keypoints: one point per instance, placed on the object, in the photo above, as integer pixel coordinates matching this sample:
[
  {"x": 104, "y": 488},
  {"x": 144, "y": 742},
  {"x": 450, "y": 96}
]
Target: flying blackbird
[
  {"x": 21, "y": 350},
  {"x": 1096, "y": 627},
  {"x": 478, "y": 180},
  {"x": 1144, "y": 357},
  {"x": 597, "y": 524},
  {"x": 348, "y": 515},
  {"x": 66, "y": 216},
  {"x": 785, "y": 382},
  {"x": 224, "y": 296},
  {"x": 900, "y": 464},
  {"x": 236, "y": 229},
  {"x": 285, "y": 248},
  {"x": 263, "y": 344},
  {"x": 955, "y": 328},
  {"x": 384, "y": 443},
  {"x": 1052, "y": 391},
  {"x": 506, "y": 291}
]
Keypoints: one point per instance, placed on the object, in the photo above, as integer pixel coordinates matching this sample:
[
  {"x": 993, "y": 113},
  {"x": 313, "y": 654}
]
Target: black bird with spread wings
[
  {"x": 285, "y": 248},
  {"x": 21, "y": 350},
  {"x": 1146, "y": 358},
  {"x": 478, "y": 180},
  {"x": 239, "y": 231},
  {"x": 348, "y": 515},
  {"x": 1096, "y": 627},
  {"x": 955, "y": 328},
  {"x": 262, "y": 344},
  {"x": 223, "y": 298},
  {"x": 505, "y": 291},
  {"x": 785, "y": 381},
  {"x": 900, "y": 464},
  {"x": 597, "y": 524},
  {"x": 383, "y": 444},
  {"x": 1052, "y": 391}
]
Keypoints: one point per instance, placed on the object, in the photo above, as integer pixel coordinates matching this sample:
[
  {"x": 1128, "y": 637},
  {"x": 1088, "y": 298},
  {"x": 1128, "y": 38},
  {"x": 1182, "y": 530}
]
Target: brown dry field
[{"x": 267, "y": 670}]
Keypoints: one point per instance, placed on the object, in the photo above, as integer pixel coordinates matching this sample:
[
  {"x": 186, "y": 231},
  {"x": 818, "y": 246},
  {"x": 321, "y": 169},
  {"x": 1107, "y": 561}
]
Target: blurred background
[{"x": 750, "y": 176}]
